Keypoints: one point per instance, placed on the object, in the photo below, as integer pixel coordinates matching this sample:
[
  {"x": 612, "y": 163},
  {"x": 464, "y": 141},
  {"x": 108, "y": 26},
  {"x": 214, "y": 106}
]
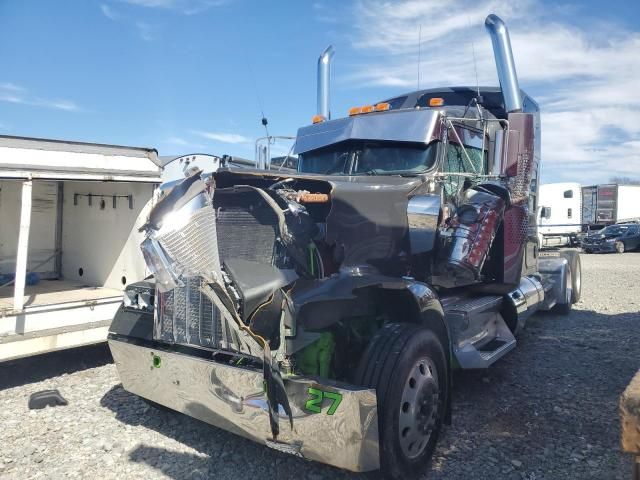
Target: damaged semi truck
[{"x": 322, "y": 312}]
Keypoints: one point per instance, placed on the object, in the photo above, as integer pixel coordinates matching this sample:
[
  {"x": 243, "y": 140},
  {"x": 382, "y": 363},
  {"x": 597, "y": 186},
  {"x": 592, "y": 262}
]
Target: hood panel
[{"x": 367, "y": 219}]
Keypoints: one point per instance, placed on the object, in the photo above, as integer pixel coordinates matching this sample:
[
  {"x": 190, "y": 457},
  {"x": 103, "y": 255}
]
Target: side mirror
[{"x": 545, "y": 212}]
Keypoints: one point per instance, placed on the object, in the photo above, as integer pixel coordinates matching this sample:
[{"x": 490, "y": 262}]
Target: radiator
[{"x": 245, "y": 227}]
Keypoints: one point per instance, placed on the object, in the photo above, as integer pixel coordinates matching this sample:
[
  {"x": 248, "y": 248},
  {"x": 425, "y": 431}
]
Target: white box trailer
[
  {"x": 607, "y": 204},
  {"x": 69, "y": 241},
  {"x": 559, "y": 214}
]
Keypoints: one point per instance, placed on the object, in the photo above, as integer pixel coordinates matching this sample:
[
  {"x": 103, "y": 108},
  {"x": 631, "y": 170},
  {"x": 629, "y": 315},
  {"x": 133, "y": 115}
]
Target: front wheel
[
  {"x": 407, "y": 366},
  {"x": 619, "y": 247}
]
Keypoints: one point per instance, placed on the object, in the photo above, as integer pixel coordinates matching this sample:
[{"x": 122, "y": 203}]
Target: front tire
[
  {"x": 619, "y": 247},
  {"x": 407, "y": 366}
]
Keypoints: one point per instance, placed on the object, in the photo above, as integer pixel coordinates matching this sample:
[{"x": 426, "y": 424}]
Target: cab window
[{"x": 474, "y": 161}]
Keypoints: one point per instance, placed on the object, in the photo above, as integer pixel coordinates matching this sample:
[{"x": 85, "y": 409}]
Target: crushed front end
[{"x": 213, "y": 334}]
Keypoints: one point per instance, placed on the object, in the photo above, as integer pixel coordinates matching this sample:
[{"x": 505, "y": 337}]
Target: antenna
[
  {"x": 419, "y": 52},
  {"x": 264, "y": 120},
  {"x": 475, "y": 63},
  {"x": 475, "y": 67}
]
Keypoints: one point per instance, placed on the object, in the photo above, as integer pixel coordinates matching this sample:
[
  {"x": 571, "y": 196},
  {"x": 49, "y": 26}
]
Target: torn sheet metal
[{"x": 182, "y": 243}]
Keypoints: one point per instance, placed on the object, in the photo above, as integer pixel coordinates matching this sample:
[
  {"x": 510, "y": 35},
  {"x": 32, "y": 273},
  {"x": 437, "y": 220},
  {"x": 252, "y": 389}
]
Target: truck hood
[{"x": 367, "y": 219}]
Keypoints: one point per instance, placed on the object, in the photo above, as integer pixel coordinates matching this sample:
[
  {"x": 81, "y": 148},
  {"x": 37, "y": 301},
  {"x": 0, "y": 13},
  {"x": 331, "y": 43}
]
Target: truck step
[
  {"x": 472, "y": 355},
  {"x": 497, "y": 350},
  {"x": 480, "y": 335}
]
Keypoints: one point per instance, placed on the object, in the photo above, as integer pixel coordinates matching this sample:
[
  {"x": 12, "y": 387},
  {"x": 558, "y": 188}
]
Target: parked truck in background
[
  {"x": 608, "y": 204},
  {"x": 322, "y": 312},
  {"x": 560, "y": 214}
]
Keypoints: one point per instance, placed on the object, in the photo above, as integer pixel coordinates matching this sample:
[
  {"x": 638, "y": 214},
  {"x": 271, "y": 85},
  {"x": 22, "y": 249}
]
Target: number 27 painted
[{"x": 314, "y": 404}]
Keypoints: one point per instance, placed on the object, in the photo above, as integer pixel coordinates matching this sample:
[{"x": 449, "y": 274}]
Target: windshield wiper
[{"x": 335, "y": 164}]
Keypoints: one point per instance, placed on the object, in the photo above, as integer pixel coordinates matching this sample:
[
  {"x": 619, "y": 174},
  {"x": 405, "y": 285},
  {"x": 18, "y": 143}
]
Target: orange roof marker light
[
  {"x": 383, "y": 106},
  {"x": 355, "y": 111},
  {"x": 318, "y": 119},
  {"x": 436, "y": 102},
  {"x": 367, "y": 109}
]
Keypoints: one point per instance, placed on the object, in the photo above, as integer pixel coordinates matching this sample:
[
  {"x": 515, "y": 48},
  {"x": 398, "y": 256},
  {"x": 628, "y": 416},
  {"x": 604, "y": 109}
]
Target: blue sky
[{"x": 189, "y": 76}]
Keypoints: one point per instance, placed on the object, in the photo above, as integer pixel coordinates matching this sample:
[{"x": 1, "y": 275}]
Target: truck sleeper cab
[{"x": 338, "y": 299}]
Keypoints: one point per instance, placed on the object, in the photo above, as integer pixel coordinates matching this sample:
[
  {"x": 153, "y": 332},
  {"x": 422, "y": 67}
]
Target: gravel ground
[{"x": 546, "y": 411}]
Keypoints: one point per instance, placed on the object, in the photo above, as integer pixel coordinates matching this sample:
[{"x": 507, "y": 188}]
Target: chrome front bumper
[{"x": 232, "y": 398}]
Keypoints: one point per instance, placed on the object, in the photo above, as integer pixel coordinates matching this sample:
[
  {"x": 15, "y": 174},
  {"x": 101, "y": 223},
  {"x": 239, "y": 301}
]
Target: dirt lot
[{"x": 546, "y": 411}]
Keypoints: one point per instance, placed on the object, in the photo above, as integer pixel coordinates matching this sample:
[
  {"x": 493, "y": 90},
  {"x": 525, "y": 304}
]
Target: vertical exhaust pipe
[
  {"x": 504, "y": 63},
  {"x": 324, "y": 82}
]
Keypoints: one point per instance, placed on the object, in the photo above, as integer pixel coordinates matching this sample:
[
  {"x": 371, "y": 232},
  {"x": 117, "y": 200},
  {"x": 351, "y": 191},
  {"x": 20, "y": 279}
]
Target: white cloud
[
  {"x": 181, "y": 142},
  {"x": 223, "y": 137},
  {"x": 177, "y": 141},
  {"x": 12, "y": 93},
  {"x": 11, "y": 87},
  {"x": 187, "y": 7},
  {"x": 108, "y": 12},
  {"x": 585, "y": 79},
  {"x": 145, "y": 31}
]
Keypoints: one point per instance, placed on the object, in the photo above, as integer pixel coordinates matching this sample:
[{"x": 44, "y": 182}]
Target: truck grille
[
  {"x": 245, "y": 227},
  {"x": 186, "y": 316}
]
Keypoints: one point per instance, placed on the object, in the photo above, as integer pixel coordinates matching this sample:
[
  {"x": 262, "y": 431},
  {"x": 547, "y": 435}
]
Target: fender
[{"x": 344, "y": 295}]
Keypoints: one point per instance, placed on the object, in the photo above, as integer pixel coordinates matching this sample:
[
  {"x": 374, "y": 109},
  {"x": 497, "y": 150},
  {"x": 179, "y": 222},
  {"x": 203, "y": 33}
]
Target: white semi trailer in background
[
  {"x": 607, "y": 204},
  {"x": 69, "y": 241},
  {"x": 560, "y": 214}
]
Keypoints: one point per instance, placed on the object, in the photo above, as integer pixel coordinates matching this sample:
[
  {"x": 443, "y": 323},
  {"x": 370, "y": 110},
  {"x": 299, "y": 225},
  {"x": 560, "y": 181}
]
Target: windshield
[
  {"x": 361, "y": 157},
  {"x": 615, "y": 230}
]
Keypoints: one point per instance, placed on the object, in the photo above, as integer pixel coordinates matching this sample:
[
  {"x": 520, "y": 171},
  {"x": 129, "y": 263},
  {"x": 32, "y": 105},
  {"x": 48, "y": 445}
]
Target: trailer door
[
  {"x": 606, "y": 204},
  {"x": 589, "y": 199}
]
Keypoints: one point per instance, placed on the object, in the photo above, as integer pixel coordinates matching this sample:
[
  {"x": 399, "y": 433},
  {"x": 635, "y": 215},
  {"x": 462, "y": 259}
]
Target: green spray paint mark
[
  {"x": 157, "y": 361},
  {"x": 314, "y": 404}
]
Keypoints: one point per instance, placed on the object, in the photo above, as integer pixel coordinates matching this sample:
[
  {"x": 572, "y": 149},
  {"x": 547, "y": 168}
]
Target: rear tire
[
  {"x": 575, "y": 264},
  {"x": 407, "y": 366},
  {"x": 565, "y": 308}
]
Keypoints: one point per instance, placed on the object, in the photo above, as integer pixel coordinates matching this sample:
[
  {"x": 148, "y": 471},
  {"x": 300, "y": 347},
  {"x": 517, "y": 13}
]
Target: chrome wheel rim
[
  {"x": 578, "y": 278},
  {"x": 419, "y": 407}
]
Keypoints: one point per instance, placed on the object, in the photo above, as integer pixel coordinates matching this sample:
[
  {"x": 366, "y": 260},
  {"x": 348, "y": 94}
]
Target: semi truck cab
[{"x": 321, "y": 312}]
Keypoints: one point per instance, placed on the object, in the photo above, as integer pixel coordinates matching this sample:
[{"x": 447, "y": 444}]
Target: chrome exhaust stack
[
  {"x": 504, "y": 63},
  {"x": 324, "y": 82}
]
